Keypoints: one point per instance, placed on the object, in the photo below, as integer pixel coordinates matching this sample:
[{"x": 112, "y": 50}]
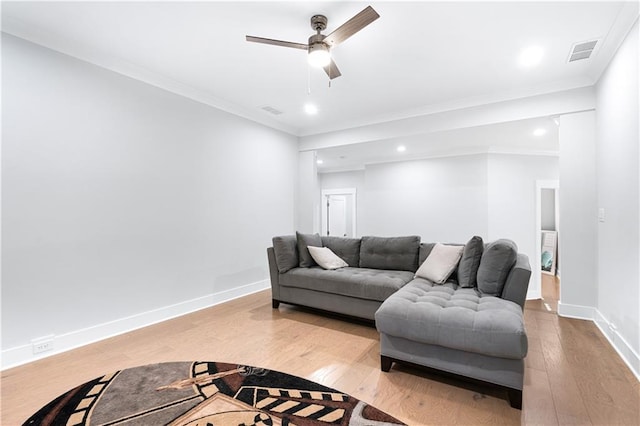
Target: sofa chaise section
[
  {"x": 455, "y": 330},
  {"x": 476, "y": 332}
]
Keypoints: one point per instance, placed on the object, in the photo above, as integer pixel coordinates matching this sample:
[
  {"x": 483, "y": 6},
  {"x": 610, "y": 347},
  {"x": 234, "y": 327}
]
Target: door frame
[
  {"x": 323, "y": 202},
  {"x": 536, "y": 292}
]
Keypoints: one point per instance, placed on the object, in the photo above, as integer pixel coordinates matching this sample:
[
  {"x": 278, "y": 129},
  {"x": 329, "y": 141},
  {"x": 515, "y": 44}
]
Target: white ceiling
[
  {"x": 513, "y": 137},
  {"x": 419, "y": 57}
]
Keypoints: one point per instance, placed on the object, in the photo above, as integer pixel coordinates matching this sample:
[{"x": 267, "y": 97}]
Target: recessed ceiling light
[
  {"x": 539, "y": 132},
  {"x": 531, "y": 56},
  {"x": 311, "y": 109},
  {"x": 401, "y": 148},
  {"x": 319, "y": 161}
]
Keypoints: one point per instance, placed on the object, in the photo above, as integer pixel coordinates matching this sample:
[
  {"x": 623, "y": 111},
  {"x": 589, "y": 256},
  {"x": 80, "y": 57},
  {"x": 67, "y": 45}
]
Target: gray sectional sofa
[{"x": 470, "y": 325}]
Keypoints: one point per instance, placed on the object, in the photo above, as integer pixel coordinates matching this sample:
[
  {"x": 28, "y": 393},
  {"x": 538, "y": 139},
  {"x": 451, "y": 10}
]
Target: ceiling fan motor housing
[
  {"x": 316, "y": 43},
  {"x": 319, "y": 22}
]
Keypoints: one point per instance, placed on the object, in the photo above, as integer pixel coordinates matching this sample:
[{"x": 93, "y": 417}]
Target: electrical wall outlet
[{"x": 43, "y": 344}]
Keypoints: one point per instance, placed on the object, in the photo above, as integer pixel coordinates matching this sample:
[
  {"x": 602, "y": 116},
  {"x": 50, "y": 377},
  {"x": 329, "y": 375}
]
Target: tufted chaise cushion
[
  {"x": 371, "y": 284},
  {"x": 456, "y": 318}
]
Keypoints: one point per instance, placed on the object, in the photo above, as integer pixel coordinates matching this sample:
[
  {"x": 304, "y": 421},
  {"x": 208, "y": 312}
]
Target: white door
[
  {"x": 336, "y": 215},
  {"x": 338, "y": 211}
]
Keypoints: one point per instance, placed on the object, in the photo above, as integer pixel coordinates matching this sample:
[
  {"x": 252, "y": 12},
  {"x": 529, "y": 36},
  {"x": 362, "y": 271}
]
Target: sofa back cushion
[
  {"x": 348, "y": 249},
  {"x": 393, "y": 253},
  {"x": 305, "y": 240},
  {"x": 495, "y": 264},
  {"x": 425, "y": 251},
  {"x": 470, "y": 262},
  {"x": 286, "y": 252}
]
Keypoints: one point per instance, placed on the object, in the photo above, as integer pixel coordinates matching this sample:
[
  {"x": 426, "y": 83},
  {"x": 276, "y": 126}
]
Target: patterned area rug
[{"x": 206, "y": 394}]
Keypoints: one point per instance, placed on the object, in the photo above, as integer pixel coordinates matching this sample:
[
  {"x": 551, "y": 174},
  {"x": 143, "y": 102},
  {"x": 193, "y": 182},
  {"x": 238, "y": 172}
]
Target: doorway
[
  {"x": 546, "y": 266},
  {"x": 339, "y": 212}
]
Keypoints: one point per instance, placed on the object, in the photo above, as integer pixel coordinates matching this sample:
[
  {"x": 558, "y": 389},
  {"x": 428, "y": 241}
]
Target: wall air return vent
[
  {"x": 271, "y": 110},
  {"x": 582, "y": 50}
]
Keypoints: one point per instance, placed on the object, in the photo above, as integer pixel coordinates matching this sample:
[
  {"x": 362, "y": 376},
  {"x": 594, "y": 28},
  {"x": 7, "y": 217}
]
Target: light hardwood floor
[{"x": 573, "y": 376}]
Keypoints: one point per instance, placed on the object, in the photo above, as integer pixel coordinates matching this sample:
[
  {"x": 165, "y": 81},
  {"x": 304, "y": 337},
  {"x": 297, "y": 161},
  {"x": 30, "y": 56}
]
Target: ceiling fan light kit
[
  {"x": 319, "y": 46},
  {"x": 319, "y": 55}
]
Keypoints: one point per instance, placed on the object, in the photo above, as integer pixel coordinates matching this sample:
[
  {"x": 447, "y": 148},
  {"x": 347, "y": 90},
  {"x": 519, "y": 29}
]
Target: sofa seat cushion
[
  {"x": 456, "y": 318},
  {"x": 371, "y": 284}
]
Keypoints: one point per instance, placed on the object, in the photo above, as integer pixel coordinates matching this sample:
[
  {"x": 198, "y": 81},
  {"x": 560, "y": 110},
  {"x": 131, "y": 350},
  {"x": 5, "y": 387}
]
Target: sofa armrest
[
  {"x": 274, "y": 274},
  {"x": 515, "y": 289}
]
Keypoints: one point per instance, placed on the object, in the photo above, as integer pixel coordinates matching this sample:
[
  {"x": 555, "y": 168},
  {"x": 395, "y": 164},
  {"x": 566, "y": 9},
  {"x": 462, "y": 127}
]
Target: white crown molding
[
  {"x": 626, "y": 19},
  {"x": 112, "y": 63}
]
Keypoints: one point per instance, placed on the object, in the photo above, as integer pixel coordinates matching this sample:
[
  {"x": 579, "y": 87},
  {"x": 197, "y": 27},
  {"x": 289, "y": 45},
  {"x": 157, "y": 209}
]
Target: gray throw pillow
[
  {"x": 425, "y": 251},
  {"x": 347, "y": 248},
  {"x": 285, "y": 252},
  {"x": 394, "y": 253},
  {"x": 304, "y": 240},
  {"x": 470, "y": 262},
  {"x": 497, "y": 260}
]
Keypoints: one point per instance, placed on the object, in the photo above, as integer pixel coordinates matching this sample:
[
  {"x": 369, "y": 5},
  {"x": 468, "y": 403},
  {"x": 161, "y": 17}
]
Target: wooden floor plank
[{"x": 572, "y": 375}]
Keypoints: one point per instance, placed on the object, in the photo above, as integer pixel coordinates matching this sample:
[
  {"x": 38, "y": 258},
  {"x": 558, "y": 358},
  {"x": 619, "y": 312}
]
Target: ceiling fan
[{"x": 319, "y": 46}]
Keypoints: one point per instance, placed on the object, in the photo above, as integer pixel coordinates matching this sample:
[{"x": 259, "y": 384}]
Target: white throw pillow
[
  {"x": 440, "y": 263},
  {"x": 326, "y": 258}
]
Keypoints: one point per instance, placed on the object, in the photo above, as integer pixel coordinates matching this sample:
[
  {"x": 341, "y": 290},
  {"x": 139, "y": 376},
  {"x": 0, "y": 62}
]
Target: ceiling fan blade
[
  {"x": 277, "y": 42},
  {"x": 352, "y": 26},
  {"x": 332, "y": 70}
]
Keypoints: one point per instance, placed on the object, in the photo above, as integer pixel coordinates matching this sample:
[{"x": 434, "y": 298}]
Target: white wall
[
  {"x": 618, "y": 165},
  {"x": 120, "y": 198},
  {"x": 308, "y": 194},
  {"x": 548, "y": 209},
  {"x": 441, "y": 199},
  {"x": 451, "y": 199},
  {"x": 578, "y": 214}
]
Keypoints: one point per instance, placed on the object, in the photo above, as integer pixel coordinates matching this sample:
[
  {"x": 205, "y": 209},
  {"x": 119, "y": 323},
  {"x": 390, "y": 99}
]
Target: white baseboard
[
  {"x": 626, "y": 352},
  {"x": 621, "y": 346},
  {"x": 576, "y": 311},
  {"x": 19, "y": 355},
  {"x": 533, "y": 295}
]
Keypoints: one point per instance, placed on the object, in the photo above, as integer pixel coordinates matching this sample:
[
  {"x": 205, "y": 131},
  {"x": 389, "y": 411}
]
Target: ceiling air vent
[
  {"x": 271, "y": 110},
  {"x": 582, "y": 50}
]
